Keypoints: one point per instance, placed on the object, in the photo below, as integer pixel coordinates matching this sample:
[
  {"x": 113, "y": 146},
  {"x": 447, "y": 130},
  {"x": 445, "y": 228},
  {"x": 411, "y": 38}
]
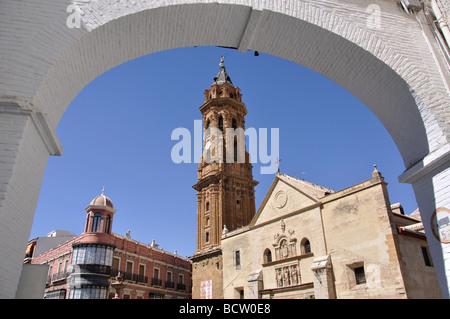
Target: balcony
[
  {"x": 62, "y": 275},
  {"x": 130, "y": 276},
  {"x": 169, "y": 284},
  {"x": 181, "y": 287},
  {"x": 156, "y": 282},
  {"x": 57, "y": 279}
]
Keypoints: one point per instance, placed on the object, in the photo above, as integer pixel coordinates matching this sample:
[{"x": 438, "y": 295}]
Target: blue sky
[{"x": 116, "y": 134}]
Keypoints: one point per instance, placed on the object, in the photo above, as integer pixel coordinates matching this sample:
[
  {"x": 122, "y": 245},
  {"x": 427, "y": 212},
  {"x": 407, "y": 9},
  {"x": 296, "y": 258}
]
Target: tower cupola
[
  {"x": 99, "y": 215},
  {"x": 222, "y": 87}
]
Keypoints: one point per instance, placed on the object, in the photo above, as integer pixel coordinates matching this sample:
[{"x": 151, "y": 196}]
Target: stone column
[
  {"x": 255, "y": 285},
  {"x": 26, "y": 141},
  {"x": 430, "y": 179},
  {"x": 323, "y": 279}
]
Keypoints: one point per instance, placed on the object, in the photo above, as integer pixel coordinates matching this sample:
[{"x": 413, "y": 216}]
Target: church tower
[{"x": 225, "y": 187}]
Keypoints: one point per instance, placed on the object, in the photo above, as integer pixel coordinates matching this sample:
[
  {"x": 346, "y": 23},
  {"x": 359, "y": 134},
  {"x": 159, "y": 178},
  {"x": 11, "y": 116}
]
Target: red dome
[{"x": 102, "y": 200}]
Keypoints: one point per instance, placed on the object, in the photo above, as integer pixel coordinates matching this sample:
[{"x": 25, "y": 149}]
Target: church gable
[{"x": 284, "y": 197}]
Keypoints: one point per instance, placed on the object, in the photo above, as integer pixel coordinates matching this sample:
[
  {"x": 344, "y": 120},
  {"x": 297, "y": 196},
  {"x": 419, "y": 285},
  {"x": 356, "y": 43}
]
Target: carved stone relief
[
  {"x": 285, "y": 244},
  {"x": 285, "y": 247},
  {"x": 287, "y": 276},
  {"x": 280, "y": 199}
]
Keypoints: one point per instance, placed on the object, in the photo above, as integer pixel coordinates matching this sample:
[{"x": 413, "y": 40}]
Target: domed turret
[{"x": 99, "y": 214}]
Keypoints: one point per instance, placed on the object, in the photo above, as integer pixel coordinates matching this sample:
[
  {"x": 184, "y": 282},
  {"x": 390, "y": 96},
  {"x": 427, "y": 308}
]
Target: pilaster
[{"x": 26, "y": 141}]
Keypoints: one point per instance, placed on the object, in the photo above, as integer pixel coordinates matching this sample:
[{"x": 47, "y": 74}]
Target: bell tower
[{"x": 225, "y": 186}]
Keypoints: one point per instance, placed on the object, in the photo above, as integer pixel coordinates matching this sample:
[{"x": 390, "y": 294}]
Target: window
[
  {"x": 207, "y": 206},
  {"x": 115, "y": 266},
  {"x": 235, "y": 150},
  {"x": 141, "y": 271},
  {"x": 96, "y": 222},
  {"x": 238, "y": 204},
  {"x": 240, "y": 293},
  {"x": 237, "y": 258},
  {"x": 108, "y": 224},
  {"x": 66, "y": 265},
  {"x": 169, "y": 281},
  {"x": 306, "y": 247},
  {"x": 59, "y": 265},
  {"x": 267, "y": 256},
  {"x": 221, "y": 124},
  {"x": 426, "y": 257},
  {"x": 207, "y": 237},
  {"x": 129, "y": 267},
  {"x": 360, "y": 276},
  {"x": 155, "y": 280},
  {"x": 88, "y": 292},
  {"x": 56, "y": 294},
  {"x": 49, "y": 274},
  {"x": 92, "y": 254},
  {"x": 234, "y": 123}
]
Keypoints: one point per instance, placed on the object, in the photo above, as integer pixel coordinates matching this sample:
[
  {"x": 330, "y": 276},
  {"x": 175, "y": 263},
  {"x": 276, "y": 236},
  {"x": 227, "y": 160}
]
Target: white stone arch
[{"x": 396, "y": 71}]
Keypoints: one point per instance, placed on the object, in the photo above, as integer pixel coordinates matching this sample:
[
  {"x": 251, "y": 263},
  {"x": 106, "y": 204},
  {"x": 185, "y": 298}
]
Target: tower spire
[{"x": 222, "y": 77}]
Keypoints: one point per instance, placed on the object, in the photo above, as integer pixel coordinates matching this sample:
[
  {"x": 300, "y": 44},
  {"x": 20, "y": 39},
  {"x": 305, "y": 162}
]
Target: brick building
[{"x": 87, "y": 266}]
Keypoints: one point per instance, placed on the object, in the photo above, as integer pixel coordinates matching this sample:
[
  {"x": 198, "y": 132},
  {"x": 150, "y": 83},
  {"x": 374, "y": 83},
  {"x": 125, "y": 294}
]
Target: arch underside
[{"x": 370, "y": 79}]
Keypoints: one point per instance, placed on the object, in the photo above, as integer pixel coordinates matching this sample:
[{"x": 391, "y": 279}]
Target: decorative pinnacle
[{"x": 375, "y": 172}]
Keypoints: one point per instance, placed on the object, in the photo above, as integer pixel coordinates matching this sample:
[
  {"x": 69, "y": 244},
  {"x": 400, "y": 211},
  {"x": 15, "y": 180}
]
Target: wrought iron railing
[{"x": 156, "y": 282}]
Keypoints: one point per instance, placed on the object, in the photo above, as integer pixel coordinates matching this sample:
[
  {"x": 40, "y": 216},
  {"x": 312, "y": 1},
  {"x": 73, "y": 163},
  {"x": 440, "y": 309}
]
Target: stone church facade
[{"x": 307, "y": 241}]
